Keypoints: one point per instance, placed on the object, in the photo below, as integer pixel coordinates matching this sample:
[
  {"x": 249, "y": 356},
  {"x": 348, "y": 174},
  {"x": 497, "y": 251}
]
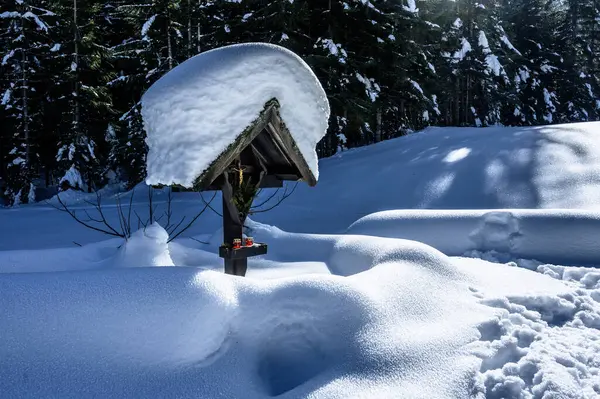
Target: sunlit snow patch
[{"x": 146, "y": 247}]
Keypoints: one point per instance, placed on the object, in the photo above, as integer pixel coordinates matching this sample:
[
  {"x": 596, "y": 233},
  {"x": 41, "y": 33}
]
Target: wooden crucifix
[{"x": 263, "y": 156}]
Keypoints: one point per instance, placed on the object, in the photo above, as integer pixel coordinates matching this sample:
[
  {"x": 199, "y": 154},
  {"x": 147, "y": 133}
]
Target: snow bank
[
  {"x": 407, "y": 321},
  {"x": 94, "y": 333},
  {"x": 355, "y": 254},
  {"x": 73, "y": 197},
  {"x": 145, "y": 248},
  {"x": 562, "y": 236},
  {"x": 58, "y": 259},
  {"x": 194, "y": 112},
  {"x": 545, "y": 167}
]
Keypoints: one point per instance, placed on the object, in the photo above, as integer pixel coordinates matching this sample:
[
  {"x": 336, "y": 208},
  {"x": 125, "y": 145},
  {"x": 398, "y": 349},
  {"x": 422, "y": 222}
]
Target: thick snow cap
[{"x": 194, "y": 112}]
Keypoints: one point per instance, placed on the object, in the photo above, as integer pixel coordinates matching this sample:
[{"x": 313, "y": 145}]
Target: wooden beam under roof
[{"x": 266, "y": 143}]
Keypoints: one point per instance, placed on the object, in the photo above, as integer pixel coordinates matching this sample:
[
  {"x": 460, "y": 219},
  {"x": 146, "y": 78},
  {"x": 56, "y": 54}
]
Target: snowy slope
[
  {"x": 194, "y": 112},
  {"x": 452, "y": 168},
  {"x": 364, "y": 314},
  {"x": 441, "y": 168}
]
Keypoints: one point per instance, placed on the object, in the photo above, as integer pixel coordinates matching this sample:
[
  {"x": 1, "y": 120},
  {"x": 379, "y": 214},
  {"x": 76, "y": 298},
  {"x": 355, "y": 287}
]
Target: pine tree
[
  {"x": 73, "y": 72},
  {"x": 404, "y": 65},
  {"x": 441, "y": 38},
  {"x": 81, "y": 93},
  {"x": 24, "y": 39},
  {"x": 533, "y": 24},
  {"x": 127, "y": 154},
  {"x": 591, "y": 35},
  {"x": 578, "y": 102},
  {"x": 154, "y": 43}
]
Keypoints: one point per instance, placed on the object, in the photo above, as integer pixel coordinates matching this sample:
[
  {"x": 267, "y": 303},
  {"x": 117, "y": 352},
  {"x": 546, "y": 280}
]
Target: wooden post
[{"x": 232, "y": 229}]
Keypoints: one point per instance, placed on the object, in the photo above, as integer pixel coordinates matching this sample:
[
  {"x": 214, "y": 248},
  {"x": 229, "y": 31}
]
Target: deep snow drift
[
  {"x": 180, "y": 332},
  {"x": 406, "y": 322},
  {"x": 195, "y": 111},
  {"x": 563, "y": 236}
]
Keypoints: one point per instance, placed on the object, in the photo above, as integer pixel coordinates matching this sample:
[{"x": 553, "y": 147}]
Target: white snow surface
[
  {"x": 472, "y": 295},
  {"x": 515, "y": 233},
  {"x": 146, "y": 247},
  {"x": 547, "y": 167},
  {"x": 493, "y": 64},
  {"x": 147, "y": 25},
  {"x": 195, "y": 111},
  {"x": 483, "y": 42},
  {"x": 411, "y": 7},
  {"x": 508, "y": 44},
  {"x": 385, "y": 318}
]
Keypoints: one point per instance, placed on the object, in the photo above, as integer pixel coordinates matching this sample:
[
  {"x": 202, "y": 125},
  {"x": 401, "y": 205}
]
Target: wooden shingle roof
[{"x": 265, "y": 145}]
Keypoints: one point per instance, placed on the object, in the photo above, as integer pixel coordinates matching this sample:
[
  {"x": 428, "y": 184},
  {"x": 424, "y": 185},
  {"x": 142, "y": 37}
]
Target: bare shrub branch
[
  {"x": 100, "y": 223},
  {"x": 283, "y": 198},
  {"x": 107, "y": 229},
  {"x": 193, "y": 219},
  {"x": 209, "y": 206},
  {"x": 265, "y": 201}
]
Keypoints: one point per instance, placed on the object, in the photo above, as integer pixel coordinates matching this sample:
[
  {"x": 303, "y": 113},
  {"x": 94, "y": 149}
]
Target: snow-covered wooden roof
[
  {"x": 265, "y": 144},
  {"x": 209, "y": 107}
]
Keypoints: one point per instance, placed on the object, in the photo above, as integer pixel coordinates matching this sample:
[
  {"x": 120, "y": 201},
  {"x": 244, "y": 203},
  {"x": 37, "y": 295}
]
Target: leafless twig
[
  {"x": 169, "y": 212},
  {"x": 265, "y": 201},
  {"x": 100, "y": 223},
  {"x": 193, "y": 219},
  {"x": 197, "y": 240},
  {"x": 140, "y": 221},
  {"x": 283, "y": 198},
  {"x": 209, "y": 206},
  {"x": 150, "y": 208},
  {"x": 176, "y": 226},
  {"x": 107, "y": 229}
]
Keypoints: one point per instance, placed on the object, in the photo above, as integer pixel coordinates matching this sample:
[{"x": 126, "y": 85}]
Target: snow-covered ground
[{"x": 452, "y": 263}]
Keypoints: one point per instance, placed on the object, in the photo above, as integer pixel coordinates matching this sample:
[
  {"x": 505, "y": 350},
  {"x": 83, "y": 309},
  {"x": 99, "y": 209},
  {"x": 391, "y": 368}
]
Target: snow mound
[
  {"x": 146, "y": 247},
  {"x": 355, "y": 254},
  {"x": 561, "y": 236},
  {"x": 181, "y": 332},
  {"x": 194, "y": 112},
  {"x": 96, "y": 328}
]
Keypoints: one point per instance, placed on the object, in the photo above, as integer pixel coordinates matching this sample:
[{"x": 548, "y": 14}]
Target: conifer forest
[{"x": 72, "y": 72}]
